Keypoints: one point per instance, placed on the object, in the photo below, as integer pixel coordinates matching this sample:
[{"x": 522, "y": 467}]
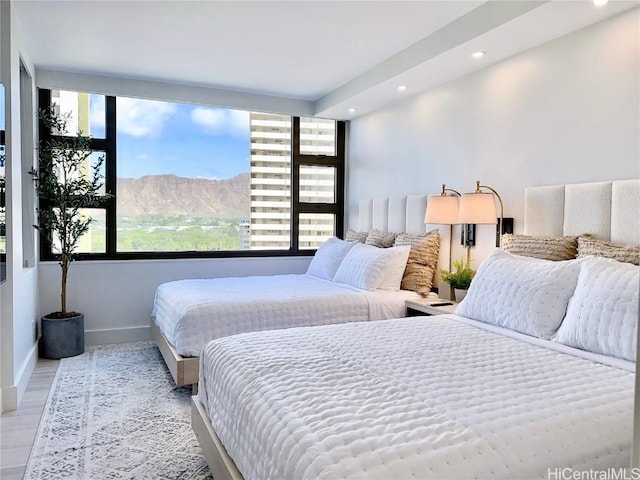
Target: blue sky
[{"x": 156, "y": 138}]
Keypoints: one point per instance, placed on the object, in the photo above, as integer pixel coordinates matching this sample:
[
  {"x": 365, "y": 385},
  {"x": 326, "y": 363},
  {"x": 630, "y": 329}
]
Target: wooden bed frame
[
  {"x": 219, "y": 461},
  {"x": 555, "y": 210},
  {"x": 184, "y": 370}
]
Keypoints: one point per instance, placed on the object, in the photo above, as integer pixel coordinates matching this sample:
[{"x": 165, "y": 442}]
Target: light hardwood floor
[{"x": 18, "y": 428}]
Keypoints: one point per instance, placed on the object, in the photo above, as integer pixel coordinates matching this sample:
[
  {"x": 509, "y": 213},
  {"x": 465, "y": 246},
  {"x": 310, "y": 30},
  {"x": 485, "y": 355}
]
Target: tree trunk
[{"x": 64, "y": 264}]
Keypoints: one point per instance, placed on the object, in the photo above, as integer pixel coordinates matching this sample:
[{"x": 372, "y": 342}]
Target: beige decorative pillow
[
  {"x": 546, "y": 248},
  {"x": 353, "y": 236},
  {"x": 425, "y": 247},
  {"x": 589, "y": 245},
  {"x": 423, "y": 260},
  {"x": 381, "y": 239},
  {"x": 417, "y": 278}
]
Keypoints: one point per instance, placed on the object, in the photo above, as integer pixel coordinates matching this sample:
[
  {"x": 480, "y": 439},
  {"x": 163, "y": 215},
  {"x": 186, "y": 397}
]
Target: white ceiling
[{"x": 336, "y": 54}]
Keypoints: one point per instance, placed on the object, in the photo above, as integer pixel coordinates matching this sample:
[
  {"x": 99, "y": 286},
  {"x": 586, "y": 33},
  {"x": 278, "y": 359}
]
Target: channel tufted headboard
[
  {"x": 403, "y": 214},
  {"x": 607, "y": 210}
]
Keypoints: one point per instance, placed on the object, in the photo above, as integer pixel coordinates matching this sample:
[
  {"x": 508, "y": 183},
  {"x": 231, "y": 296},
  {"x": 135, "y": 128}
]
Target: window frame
[
  {"x": 3, "y": 202},
  {"x": 108, "y": 145},
  {"x": 299, "y": 160}
]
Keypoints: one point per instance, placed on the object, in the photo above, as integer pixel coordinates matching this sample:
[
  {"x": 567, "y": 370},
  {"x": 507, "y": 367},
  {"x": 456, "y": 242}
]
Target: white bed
[
  {"x": 192, "y": 312},
  {"x": 189, "y": 313},
  {"x": 412, "y": 398},
  {"x": 441, "y": 397}
]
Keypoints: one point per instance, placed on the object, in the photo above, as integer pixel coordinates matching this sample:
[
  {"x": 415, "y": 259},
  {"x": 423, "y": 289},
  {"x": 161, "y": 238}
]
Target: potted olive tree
[
  {"x": 66, "y": 184},
  {"x": 459, "y": 280}
]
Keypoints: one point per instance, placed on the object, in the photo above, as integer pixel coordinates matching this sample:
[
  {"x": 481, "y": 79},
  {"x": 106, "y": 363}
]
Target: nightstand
[{"x": 422, "y": 306}]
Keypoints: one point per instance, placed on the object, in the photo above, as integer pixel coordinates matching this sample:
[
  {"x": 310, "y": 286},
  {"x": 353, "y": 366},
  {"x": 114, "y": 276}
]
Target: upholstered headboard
[
  {"x": 607, "y": 210},
  {"x": 403, "y": 214}
]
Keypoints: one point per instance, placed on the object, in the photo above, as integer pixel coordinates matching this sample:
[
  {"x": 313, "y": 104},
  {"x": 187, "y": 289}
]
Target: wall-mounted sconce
[
  {"x": 480, "y": 207},
  {"x": 468, "y": 235}
]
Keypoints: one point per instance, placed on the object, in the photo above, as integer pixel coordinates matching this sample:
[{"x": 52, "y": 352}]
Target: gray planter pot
[
  {"x": 62, "y": 337},
  {"x": 460, "y": 294}
]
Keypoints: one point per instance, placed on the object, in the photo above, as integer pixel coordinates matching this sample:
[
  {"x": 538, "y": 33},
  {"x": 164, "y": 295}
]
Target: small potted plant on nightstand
[
  {"x": 459, "y": 280},
  {"x": 66, "y": 184}
]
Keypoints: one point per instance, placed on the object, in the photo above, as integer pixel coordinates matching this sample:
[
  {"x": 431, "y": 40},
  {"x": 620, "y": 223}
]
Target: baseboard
[
  {"x": 117, "y": 335},
  {"x": 12, "y": 395},
  {"x": 9, "y": 398}
]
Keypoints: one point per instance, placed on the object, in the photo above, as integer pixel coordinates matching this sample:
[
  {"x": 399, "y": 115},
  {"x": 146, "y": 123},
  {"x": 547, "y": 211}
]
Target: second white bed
[
  {"x": 437, "y": 397},
  {"x": 192, "y": 312}
]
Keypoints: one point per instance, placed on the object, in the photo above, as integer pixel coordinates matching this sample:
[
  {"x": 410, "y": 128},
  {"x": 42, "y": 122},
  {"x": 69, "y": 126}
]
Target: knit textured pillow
[
  {"x": 546, "y": 248},
  {"x": 381, "y": 239},
  {"x": 589, "y": 245},
  {"x": 423, "y": 260},
  {"x": 353, "y": 236}
]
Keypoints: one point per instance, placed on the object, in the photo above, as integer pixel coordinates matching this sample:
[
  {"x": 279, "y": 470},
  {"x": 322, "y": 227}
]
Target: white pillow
[
  {"x": 602, "y": 315},
  {"x": 394, "y": 271},
  {"x": 525, "y": 294},
  {"x": 365, "y": 266},
  {"x": 328, "y": 258}
]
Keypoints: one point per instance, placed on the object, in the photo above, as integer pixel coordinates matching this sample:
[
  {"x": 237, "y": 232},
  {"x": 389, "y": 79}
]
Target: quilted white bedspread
[
  {"x": 423, "y": 397},
  {"x": 192, "y": 312}
]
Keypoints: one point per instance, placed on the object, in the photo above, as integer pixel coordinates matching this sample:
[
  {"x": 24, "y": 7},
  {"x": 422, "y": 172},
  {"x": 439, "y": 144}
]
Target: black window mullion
[
  {"x": 111, "y": 174},
  {"x": 319, "y": 160},
  {"x": 317, "y": 208},
  {"x": 98, "y": 144},
  {"x": 44, "y": 101},
  {"x": 340, "y": 181},
  {"x": 295, "y": 183}
]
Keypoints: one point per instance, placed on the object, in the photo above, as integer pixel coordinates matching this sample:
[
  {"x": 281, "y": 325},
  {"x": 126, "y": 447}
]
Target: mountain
[{"x": 171, "y": 195}]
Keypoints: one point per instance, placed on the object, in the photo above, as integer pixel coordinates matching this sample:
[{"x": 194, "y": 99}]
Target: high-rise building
[
  {"x": 271, "y": 181},
  {"x": 75, "y": 105}
]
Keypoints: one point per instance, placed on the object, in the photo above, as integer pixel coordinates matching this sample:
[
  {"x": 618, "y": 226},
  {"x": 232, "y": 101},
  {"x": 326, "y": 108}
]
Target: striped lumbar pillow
[
  {"x": 589, "y": 245},
  {"x": 546, "y": 248}
]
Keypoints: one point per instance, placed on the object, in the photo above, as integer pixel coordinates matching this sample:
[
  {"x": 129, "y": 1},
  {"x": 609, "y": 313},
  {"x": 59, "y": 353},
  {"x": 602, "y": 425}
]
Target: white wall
[
  {"x": 564, "y": 112},
  {"x": 116, "y": 297},
  {"x": 19, "y": 296}
]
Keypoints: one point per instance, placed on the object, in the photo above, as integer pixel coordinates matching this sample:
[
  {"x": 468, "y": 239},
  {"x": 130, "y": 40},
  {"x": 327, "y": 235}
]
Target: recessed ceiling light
[
  {"x": 352, "y": 110},
  {"x": 402, "y": 88},
  {"x": 600, "y": 3},
  {"x": 478, "y": 54}
]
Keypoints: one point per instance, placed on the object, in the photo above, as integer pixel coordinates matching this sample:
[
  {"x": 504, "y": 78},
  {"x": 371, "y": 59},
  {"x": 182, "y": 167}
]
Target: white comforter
[
  {"x": 192, "y": 312},
  {"x": 424, "y": 397}
]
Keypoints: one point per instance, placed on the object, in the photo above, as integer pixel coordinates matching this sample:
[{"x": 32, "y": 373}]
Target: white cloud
[
  {"x": 141, "y": 118},
  {"x": 97, "y": 118},
  {"x": 219, "y": 121}
]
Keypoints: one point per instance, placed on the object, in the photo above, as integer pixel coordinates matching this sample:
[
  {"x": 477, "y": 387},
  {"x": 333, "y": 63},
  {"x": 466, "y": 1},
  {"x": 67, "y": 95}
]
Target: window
[{"x": 191, "y": 180}]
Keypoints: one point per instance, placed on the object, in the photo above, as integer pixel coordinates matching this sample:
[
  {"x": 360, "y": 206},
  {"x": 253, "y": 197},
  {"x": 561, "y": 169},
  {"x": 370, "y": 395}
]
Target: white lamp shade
[
  {"x": 441, "y": 210},
  {"x": 477, "y": 208}
]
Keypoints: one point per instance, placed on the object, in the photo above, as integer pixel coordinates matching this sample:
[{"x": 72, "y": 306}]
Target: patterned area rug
[{"x": 115, "y": 413}]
